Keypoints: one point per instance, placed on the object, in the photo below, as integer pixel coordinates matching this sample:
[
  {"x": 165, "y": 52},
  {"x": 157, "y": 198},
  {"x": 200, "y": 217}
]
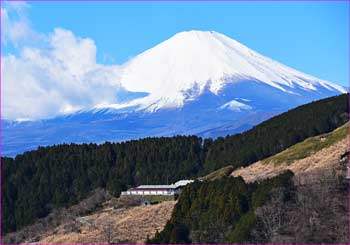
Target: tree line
[{"x": 36, "y": 182}]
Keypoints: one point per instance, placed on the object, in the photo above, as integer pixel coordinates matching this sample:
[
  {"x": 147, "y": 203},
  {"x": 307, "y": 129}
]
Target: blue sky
[
  {"x": 310, "y": 36},
  {"x": 59, "y": 57}
]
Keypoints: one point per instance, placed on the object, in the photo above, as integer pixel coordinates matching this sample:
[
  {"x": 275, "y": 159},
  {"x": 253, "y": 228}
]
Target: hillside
[
  {"x": 302, "y": 199},
  {"x": 310, "y": 160},
  {"x": 308, "y": 206},
  {"x": 313, "y": 154},
  {"x": 100, "y": 218},
  {"x": 37, "y": 182},
  {"x": 131, "y": 225},
  {"x": 219, "y": 211}
]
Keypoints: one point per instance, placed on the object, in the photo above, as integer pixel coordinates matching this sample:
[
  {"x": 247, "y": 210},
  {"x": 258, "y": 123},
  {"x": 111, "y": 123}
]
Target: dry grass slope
[
  {"x": 316, "y": 153},
  {"x": 222, "y": 172},
  {"x": 309, "y": 146},
  {"x": 132, "y": 225}
]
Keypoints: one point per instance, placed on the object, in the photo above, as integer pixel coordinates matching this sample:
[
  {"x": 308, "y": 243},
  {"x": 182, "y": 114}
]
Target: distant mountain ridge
[{"x": 195, "y": 83}]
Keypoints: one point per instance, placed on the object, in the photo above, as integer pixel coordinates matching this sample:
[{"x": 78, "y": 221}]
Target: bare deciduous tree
[
  {"x": 108, "y": 232},
  {"x": 318, "y": 214}
]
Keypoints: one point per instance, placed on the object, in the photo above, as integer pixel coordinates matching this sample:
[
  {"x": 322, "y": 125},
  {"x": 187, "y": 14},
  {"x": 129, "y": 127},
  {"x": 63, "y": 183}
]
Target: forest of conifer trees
[{"x": 39, "y": 181}]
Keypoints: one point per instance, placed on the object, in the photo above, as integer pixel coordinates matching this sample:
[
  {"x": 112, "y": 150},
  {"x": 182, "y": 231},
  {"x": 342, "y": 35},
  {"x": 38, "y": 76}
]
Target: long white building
[{"x": 162, "y": 190}]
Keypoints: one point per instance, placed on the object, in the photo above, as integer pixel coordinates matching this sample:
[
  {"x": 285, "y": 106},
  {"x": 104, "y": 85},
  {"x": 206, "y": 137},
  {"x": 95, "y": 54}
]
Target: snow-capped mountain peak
[
  {"x": 198, "y": 60},
  {"x": 195, "y": 83}
]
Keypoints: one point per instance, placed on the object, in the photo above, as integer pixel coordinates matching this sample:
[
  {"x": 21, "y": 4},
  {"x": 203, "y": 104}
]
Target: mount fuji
[{"x": 195, "y": 83}]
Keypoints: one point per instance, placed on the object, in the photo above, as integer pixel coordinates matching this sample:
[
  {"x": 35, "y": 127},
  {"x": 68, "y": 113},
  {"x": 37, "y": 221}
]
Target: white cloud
[
  {"x": 16, "y": 25},
  {"x": 56, "y": 75}
]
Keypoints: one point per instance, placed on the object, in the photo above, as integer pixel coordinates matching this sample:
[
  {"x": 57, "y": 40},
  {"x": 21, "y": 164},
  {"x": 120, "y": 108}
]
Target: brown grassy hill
[
  {"x": 315, "y": 153},
  {"x": 131, "y": 225}
]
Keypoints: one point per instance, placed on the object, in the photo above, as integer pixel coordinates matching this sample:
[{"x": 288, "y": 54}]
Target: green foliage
[
  {"x": 10, "y": 195},
  {"x": 179, "y": 235},
  {"x": 220, "y": 211},
  {"x": 241, "y": 232},
  {"x": 262, "y": 189},
  {"x": 36, "y": 182}
]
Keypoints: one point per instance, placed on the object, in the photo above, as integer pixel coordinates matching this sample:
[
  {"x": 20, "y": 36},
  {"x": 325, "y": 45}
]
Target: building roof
[
  {"x": 156, "y": 186},
  {"x": 183, "y": 182},
  {"x": 150, "y": 189},
  {"x": 161, "y": 187}
]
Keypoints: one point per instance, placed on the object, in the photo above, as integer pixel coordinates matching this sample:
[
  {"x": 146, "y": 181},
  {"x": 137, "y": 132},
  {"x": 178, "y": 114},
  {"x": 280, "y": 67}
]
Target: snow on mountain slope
[
  {"x": 195, "y": 83},
  {"x": 196, "y": 60},
  {"x": 234, "y": 105}
]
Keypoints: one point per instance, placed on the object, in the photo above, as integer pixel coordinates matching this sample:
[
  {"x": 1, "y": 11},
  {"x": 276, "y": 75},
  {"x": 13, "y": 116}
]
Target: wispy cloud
[
  {"x": 53, "y": 74},
  {"x": 16, "y": 25}
]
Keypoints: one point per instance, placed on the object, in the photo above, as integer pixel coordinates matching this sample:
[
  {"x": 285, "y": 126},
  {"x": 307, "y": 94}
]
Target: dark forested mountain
[{"x": 36, "y": 182}]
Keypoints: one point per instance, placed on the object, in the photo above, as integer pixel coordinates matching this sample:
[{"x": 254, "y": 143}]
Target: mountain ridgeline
[{"x": 37, "y": 182}]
